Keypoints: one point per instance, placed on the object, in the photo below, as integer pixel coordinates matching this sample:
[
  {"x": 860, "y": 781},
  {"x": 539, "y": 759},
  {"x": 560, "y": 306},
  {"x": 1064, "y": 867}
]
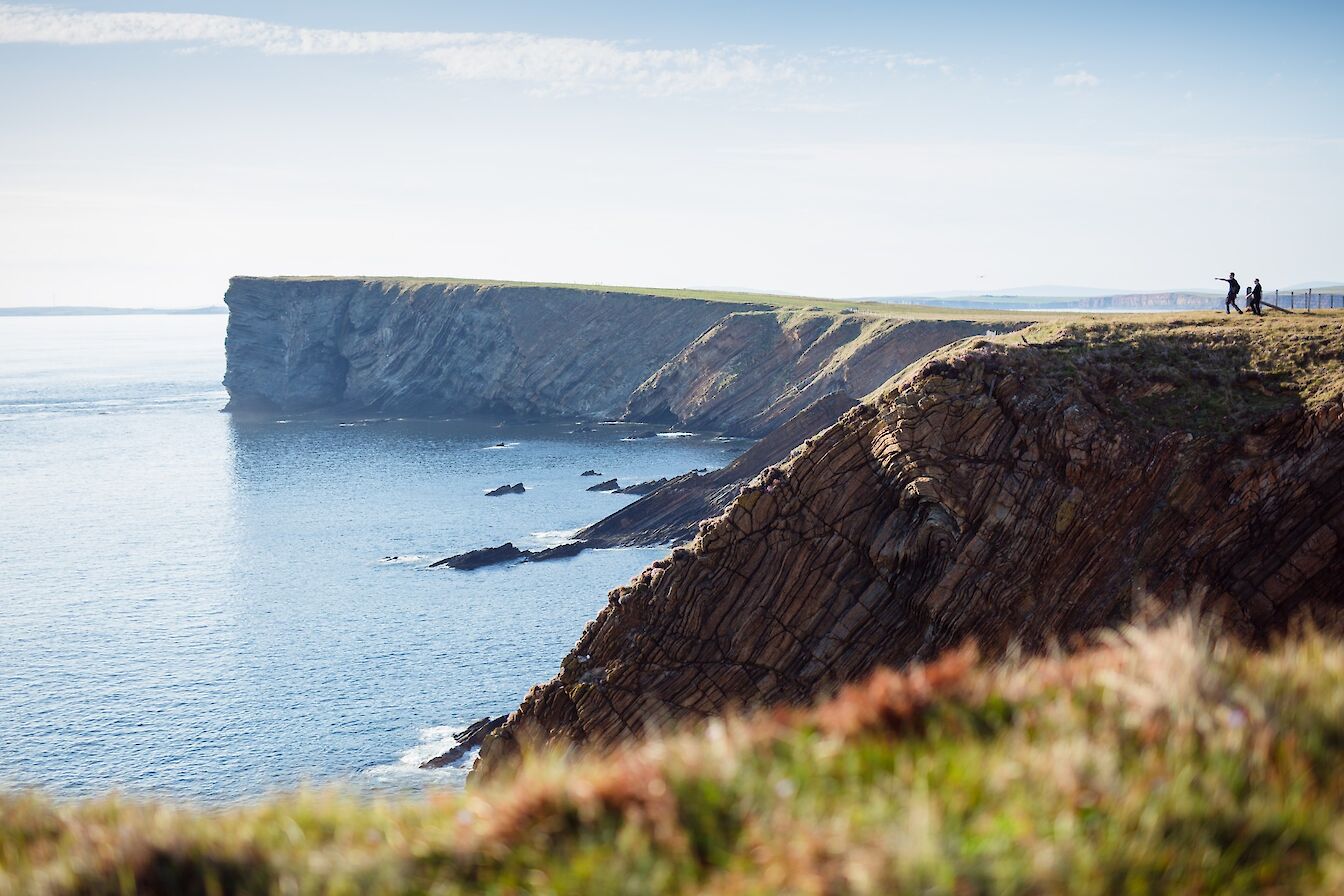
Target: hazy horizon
[{"x": 151, "y": 150}]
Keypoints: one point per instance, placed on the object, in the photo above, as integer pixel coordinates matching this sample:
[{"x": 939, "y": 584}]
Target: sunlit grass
[{"x": 1164, "y": 761}]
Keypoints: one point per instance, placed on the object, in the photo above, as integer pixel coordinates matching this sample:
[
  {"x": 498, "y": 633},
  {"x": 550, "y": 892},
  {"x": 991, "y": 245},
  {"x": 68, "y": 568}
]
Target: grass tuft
[{"x": 1165, "y": 760}]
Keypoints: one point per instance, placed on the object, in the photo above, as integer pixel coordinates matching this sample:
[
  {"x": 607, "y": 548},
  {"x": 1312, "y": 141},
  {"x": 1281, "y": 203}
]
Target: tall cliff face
[
  {"x": 1002, "y": 491},
  {"x": 408, "y": 347},
  {"x": 412, "y": 347}
]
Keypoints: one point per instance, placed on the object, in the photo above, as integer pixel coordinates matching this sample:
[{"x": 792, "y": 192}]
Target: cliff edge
[{"x": 1019, "y": 489}]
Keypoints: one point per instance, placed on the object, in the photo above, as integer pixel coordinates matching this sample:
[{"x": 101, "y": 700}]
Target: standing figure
[
  {"x": 1253, "y": 296},
  {"x": 1233, "y": 290}
]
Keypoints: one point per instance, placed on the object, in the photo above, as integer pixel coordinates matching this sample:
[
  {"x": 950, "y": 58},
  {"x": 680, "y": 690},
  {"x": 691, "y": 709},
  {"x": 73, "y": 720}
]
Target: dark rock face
[
  {"x": 428, "y": 348},
  {"x": 507, "y": 553},
  {"x": 484, "y": 557},
  {"x": 610, "y": 485},
  {"x": 642, "y": 488},
  {"x": 1003, "y": 493},
  {"x": 559, "y": 552},
  {"x": 515, "y": 489},
  {"x": 590, "y": 473},
  {"x": 474, "y": 735}
]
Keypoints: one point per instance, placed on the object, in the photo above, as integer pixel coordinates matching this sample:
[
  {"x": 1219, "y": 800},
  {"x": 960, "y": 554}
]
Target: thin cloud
[
  {"x": 553, "y": 64},
  {"x": 1077, "y": 80}
]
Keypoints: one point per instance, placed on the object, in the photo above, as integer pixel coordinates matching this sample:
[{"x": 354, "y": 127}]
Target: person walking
[
  {"x": 1253, "y": 297},
  {"x": 1233, "y": 290}
]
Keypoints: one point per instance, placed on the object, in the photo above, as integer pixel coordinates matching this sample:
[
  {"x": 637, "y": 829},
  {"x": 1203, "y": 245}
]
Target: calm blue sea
[{"x": 192, "y": 606}]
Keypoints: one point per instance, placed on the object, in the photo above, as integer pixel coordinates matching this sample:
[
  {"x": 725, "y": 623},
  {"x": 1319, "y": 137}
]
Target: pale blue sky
[{"x": 829, "y": 149}]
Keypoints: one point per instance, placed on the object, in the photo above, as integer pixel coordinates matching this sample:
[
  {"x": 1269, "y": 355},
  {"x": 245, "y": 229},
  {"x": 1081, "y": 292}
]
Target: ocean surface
[{"x": 193, "y": 606}]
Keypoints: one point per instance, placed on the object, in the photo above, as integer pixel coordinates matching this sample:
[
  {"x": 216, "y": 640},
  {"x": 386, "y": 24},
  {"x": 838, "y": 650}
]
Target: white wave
[
  {"x": 675, "y": 435},
  {"x": 500, "y": 446},
  {"x": 402, "y": 558},
  {"x": 406, "y": 771},
  {"x": 551, "y": 539}
]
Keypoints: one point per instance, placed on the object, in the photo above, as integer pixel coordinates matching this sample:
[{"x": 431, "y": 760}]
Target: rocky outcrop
[
  {"x": 471, "y": 737},
  {"x": 516, "y": 489},
  {"x": 671, "y": 513},
  {"x": 501, "y": 553},
  {"x": 751, "y": 372},
  {"x": 445, "y": 347},
  {"x": 1001, "y": 491}
]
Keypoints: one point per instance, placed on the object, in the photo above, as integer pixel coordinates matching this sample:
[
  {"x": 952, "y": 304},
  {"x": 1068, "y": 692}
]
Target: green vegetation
[
  {"x": 1162, "y": 761},
  {"x": 764, "y": 300},
  {"x": 1207, "y": 374}
]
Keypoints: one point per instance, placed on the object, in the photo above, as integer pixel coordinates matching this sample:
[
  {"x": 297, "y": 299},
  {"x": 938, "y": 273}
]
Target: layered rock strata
[
  {"x": 430, "y": 348},
  {"x": 1000, "y": 491}
]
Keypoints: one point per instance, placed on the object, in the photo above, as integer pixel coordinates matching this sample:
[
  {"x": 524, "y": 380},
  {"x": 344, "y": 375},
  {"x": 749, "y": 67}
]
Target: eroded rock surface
[{"x": 1003, "y": 492}]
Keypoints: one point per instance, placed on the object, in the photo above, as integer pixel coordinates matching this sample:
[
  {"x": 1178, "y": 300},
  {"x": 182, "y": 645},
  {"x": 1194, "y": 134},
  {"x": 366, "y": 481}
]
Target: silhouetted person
[
  {"x": 1233, "y": 290},
  {"x": 1255, "y": 293}
]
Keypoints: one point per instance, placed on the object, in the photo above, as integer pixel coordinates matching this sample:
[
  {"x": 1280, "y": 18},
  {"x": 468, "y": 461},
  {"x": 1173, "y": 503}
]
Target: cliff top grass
[
  {"x": 1162, "y": 761},
  {"x": 1208, "y": 374},
  {"x": 766, "y": 300}
]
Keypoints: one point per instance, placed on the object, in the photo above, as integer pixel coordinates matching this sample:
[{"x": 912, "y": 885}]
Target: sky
[{"x": 149, "y": 151}]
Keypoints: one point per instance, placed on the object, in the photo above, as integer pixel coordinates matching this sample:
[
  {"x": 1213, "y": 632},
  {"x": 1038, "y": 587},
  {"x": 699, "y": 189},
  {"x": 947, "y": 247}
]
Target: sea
[{"x": 203, "y": 608}]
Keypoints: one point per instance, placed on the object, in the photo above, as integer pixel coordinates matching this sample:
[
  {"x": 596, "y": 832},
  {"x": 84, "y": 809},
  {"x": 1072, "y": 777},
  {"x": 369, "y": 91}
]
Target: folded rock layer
[{"x": 1002, "y": 492}]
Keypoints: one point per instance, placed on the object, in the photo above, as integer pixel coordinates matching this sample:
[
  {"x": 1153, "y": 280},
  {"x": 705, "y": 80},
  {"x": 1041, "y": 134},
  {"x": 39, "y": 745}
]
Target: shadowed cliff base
[
  {"x": 1163, "y": 761},
  {"x": 1018, "y": 489}
]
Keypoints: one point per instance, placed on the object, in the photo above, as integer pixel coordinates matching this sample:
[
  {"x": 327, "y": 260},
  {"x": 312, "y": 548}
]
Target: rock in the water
[
  {"x": 590, "y": 473},
  {"x": 642, "y": 488},
  {"x": 483, "y": 557},
  {"x": 671, "y": 512},
  {"x": 558, "y": 552},
  {"x": 474, "y": 735},
  {"x": 515, "y": 489},
  {"x": 610, "y": 485}
]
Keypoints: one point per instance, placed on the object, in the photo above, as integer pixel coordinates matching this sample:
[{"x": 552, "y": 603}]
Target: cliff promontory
[
  {"x": 417, "y": 347},
  {"x": 1011, "y": 490}
]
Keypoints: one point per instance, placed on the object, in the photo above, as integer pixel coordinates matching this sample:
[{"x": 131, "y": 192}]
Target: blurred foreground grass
[{"x": 1164, "y": 761}]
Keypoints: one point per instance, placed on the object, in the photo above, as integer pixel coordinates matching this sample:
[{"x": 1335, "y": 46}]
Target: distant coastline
[{"x": 96, "y": 311}]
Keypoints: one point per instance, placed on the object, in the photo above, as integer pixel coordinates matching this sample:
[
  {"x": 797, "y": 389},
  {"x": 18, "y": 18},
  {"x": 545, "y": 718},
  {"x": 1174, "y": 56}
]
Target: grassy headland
[{"x": 1166, "y": 761}]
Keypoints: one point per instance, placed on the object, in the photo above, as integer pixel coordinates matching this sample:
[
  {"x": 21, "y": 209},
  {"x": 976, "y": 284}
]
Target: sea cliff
[
  {"x": 414, "y": 347},
  {"x": 1018, "y": 490}
]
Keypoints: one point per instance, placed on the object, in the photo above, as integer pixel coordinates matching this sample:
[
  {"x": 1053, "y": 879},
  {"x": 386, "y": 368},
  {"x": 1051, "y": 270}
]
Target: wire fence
[{"x": 1308, "y": 300}]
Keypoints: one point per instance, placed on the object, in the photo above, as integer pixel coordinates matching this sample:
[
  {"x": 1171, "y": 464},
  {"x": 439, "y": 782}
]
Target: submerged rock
[
  {"x": 515, "y": 489},
  {"x": 610, "y": 485},
  {"x": 590, "y": 473}
]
